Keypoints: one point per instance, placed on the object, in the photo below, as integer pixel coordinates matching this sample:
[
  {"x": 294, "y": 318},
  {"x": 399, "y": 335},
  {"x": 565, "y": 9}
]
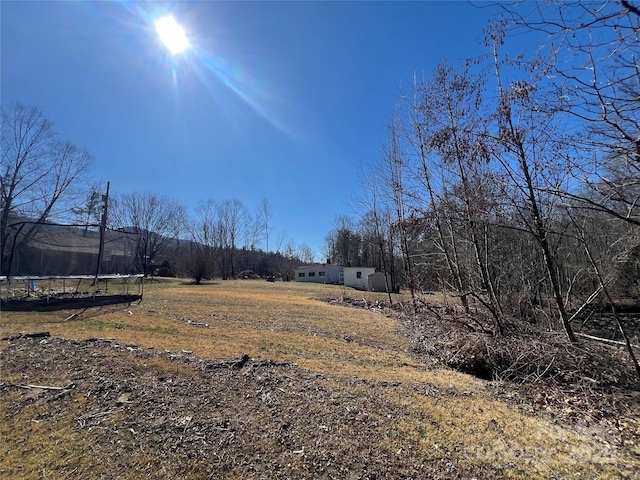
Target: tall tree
[
  {"x": 592, "y": 48},
  {"x": 531, "y": 157},
  {"x": 265, "y": 220},
  {"x": 451, "y": 104},
  {"x": 158, "y": 219},
  {"x": 591, "y": 52},
  {"x": 38, "y": 173},
  {"x": 343, "y": 243},
  {"x": 375, "y": 225},
  {"x": 233, "y": 220},
  {"x": 394, "y": 162},
  {"x": 201, "y": 259}
]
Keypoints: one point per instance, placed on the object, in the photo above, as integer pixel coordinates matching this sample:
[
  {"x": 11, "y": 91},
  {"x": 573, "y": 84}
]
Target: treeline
[
  {"x": 45, "y": 180},
  {"x": 190, "y": 260},
  {"x": 513, "y": 180},
  {"x": 219, "y": 239}
]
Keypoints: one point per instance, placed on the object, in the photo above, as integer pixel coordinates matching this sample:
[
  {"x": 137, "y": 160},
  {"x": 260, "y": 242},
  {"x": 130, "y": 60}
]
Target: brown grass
[{"x": 449, "y": 412}]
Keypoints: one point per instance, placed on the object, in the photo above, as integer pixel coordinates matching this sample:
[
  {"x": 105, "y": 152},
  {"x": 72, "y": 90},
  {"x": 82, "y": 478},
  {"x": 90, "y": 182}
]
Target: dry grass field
[{"x": 328, "y": 392}]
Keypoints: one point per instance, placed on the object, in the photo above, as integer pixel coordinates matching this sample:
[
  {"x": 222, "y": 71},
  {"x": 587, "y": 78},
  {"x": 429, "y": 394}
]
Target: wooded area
[{"x": 513, "y": 180}]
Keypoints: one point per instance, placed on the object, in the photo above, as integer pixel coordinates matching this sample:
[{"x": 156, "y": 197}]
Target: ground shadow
[{"x": 65, "y": 303}]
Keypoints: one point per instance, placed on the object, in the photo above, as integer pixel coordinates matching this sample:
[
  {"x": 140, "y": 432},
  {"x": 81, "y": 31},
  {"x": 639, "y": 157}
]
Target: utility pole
[{"x": 103, "y": 227}]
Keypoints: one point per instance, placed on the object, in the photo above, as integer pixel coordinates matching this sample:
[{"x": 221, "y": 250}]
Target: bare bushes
[{"x": 526, "y": 354}]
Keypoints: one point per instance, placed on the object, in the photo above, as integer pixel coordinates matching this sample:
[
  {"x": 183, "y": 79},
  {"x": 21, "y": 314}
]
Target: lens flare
[{"x": 172, "y": 34}]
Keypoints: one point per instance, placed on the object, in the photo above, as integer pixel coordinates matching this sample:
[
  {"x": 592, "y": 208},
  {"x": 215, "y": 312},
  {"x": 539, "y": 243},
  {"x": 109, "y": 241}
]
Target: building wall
[
  {"x": 357, "y": 277},
  {"x": 319, "y": 274}
]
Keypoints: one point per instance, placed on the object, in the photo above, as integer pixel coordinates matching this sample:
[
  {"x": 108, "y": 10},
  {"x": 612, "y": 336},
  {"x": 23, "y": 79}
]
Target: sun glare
[{"x": 172, "y": 34}]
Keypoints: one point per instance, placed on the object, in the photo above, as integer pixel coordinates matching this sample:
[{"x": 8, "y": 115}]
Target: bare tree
[
  {"x": 305, "y": 253},
  {"x": 343, "y": 242},
  {"x": 394, "y": 162},
  {"x": 158, "y": 219},
  {"x": 376, "y": 224},
  {"x": 449, "y": 124},
  {"x": 531, "y": 158},
  {"x": 428, "y": 196},
  {"x": 232, "y": 225},
  {"x": 38, "y": 173},
  {"x": 265, "y": 217},
  {"x": 89, "y": 213},
  {"x": 592, "y": 49},
  {"x": 199, "y": 263}
]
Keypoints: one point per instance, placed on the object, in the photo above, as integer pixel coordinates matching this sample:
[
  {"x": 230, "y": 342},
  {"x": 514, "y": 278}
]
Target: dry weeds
[{"x": 300, "y": 389}]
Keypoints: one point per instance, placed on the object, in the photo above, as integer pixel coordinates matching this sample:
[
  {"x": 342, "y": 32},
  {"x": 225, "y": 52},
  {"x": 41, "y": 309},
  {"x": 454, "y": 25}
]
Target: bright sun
[{"x": 172, "y": 34}]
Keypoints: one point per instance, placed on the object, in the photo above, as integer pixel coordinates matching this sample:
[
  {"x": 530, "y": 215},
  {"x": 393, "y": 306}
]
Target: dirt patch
[{"x": 173, "y": 413}]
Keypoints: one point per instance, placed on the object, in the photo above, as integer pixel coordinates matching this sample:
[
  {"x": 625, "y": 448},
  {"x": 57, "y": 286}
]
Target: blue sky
[{"x": 276, "y": 100}]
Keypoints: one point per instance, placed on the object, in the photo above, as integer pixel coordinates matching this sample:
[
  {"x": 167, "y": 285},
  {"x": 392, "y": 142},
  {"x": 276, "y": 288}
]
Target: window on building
[
  {"x": 312, "y": 274},
  {"x": 321, "y": 274},
  {"x": 358, "y": 274},
  {"x": 301, "y": 274}
]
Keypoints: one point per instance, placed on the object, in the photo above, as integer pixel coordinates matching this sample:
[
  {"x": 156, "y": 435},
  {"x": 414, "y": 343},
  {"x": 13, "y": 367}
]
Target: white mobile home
[
  {"x": 325, "y": 273},
  {"x": 355, "y": 277}
]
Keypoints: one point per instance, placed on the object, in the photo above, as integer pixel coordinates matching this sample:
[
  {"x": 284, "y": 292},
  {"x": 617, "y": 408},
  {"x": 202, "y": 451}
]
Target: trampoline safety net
[{"x": 64, "y": 250}]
